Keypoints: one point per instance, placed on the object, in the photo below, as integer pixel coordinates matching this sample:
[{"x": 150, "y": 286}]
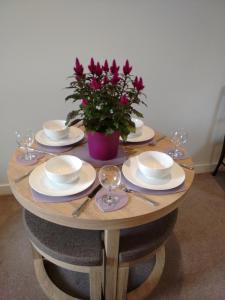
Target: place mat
[
  {"x": 147, "y": 142},
  {"x": 20, "y": 158},
  {"x": 121, "y": 201},
  {"x": 44, "y": 198},
  {"x": 60, "y": 149},
  {"x": 83, "y": 153},
  {"x": 130, "y": 185}
]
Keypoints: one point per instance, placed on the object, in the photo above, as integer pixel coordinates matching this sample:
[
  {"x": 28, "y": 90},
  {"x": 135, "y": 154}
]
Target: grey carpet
[{"x": 195, "y": 254}]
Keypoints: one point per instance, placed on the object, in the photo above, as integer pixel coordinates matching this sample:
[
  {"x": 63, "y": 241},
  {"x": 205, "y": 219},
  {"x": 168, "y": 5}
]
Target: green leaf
[
  {"x": 109, "y": 131},
  {"x": 137, "y": 113},
  {"x": 71, "y": 116},
  {"x": 73, "y": 96}
]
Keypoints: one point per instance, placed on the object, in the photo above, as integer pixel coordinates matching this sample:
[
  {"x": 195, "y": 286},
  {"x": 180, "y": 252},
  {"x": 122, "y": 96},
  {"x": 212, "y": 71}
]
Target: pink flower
[
  {"x": 95, "y": 85},
  {"x": 98, "y": 69},
  {"x": 105, "y": 80},
  {"x": 105, "y": 67},
  {"x": 78, "y": 68},
  {"x": 92, "y": 66},
  {"x": 114, "y": 68},
  {"x": 115, "y": 79},
  {"x": 127, "y": 68},
  {"x": 138, "y": 84},
  {"x": 135, "y": 82},
  {"x": 124, "y": 100},
  {"x": 84, "y": 102},
  {"x": 79, "y": 77}
]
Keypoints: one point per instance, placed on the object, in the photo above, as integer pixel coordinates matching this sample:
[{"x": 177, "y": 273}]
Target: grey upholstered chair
[
  {"x": 72, "y": 249},
  {"x": 139, "y": 244}
]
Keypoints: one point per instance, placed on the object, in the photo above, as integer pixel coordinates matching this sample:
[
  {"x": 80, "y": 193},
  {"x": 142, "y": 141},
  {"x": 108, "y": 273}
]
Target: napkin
[{"x": 121, "y": 201}]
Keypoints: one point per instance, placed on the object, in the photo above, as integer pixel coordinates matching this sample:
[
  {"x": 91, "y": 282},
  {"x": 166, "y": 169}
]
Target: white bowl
[
  {"x": 63, "y": 168},
  {"x": 55, "y": 129},
  {"x": 138, "y": 127},
  {"x": 154, "y": 164}
]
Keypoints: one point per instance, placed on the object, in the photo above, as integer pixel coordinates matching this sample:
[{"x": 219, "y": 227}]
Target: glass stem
[
  {"x": 109, "y": 196},
  {"x": 176, "y": 151},
  {"x": 27, "y": 157}
]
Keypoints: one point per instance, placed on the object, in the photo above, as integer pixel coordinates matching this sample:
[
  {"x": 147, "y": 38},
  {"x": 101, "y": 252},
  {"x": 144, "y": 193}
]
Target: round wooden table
[{"x": 136, "y": 212}]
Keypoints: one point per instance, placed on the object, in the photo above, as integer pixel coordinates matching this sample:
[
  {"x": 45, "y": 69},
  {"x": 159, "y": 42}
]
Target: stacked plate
[
  {"x": 61, "y": 176},
  {"x": 153, "y": 170},
  {"x": 142, "y": 132},
  {"x": 56, "y": 134}
]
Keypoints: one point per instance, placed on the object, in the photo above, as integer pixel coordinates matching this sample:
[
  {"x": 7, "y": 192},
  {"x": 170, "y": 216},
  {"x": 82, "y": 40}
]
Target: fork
[
  {"x": 140, "y": 195},
  {"x": 155, "y": 141},
  {"x": 189, "y": 167},
  {"x": 39, "y": 151},
  {"x": 160, "y": 138},
  {"x": 44, "y": 152}
]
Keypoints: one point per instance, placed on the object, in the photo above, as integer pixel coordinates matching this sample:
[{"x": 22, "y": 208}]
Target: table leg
[{"x": 112, "y": 251}]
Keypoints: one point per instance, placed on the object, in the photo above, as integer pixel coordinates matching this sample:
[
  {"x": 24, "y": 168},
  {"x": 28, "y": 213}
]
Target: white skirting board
[
  {"x": 199, "y": 168},
  {"x": 204, "y": 168}
]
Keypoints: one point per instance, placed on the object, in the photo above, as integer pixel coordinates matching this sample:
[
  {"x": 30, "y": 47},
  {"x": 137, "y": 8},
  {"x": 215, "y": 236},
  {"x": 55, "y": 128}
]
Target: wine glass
[
  {"x": 179, "y": 137},
  {"x": 19, "y": 139},
  {"x": 109, "y": 177},
  {"x": 25, "y": 140}
]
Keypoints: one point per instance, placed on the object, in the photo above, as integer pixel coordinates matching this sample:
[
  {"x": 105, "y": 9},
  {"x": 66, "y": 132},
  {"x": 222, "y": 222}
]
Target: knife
[
  {"x": 22, "y": 177},
  {"x": 160, "y": 138},
  {"x": 79, "y": 209}
]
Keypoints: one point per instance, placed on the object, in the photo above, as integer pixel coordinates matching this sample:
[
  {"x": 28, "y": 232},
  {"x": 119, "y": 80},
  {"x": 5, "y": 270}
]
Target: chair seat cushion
[
  {"x": 74, "y": 246},
  {"x": 139, "y": 241}
]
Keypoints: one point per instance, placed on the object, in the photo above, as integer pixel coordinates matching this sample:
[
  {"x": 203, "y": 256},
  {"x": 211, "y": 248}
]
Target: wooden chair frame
[
  {"x": 96, "y": 275},
  {"x": 144, "y": 290}
]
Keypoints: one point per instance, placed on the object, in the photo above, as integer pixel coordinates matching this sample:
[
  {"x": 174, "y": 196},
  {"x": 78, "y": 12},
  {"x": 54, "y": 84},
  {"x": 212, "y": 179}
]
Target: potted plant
[{"x": 107, "y": 98}]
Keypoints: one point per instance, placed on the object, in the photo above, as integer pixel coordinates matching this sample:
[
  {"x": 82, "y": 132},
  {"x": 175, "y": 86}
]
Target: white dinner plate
[
  {"x": 147, "y": 134},
  {"x": 75, "y": 135},
  {"x": 132, "y": 173},
  {"x": 39, "y": 182}
]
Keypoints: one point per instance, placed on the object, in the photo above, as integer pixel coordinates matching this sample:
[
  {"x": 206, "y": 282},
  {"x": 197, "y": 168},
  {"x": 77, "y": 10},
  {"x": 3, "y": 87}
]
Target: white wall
[{"x": 178, "y": 46}]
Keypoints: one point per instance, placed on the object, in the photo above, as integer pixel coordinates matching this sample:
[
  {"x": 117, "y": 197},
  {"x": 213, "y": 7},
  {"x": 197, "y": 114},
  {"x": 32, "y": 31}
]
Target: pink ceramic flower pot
[{"x": 102, "y": 146}]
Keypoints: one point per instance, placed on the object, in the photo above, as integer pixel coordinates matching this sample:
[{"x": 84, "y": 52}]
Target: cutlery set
[
  {"x": 80, "y": 208},
  {"x": 124, "y": 188}
]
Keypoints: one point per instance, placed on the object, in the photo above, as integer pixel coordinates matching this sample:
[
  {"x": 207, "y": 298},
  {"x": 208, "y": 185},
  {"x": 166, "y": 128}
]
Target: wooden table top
[{"x": 136, "y": 212}]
